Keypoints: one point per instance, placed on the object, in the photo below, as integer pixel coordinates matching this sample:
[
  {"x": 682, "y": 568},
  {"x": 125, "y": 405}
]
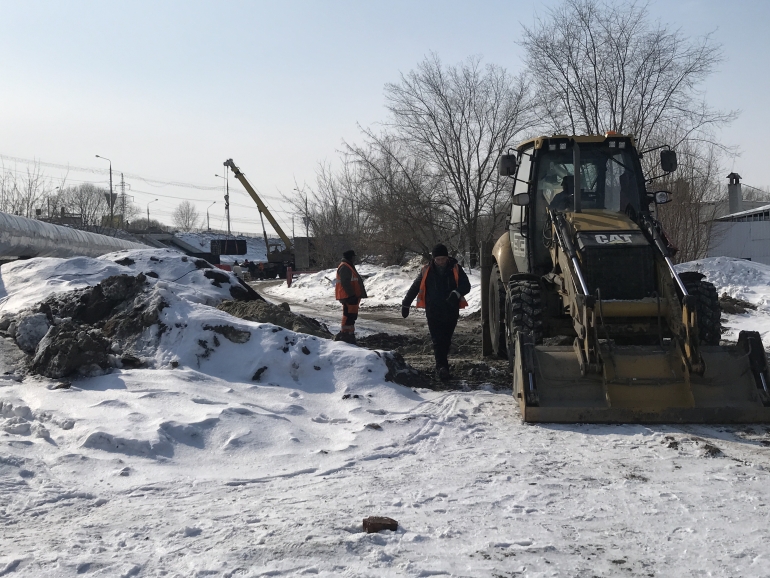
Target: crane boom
[{"x": 260, "y": 205}]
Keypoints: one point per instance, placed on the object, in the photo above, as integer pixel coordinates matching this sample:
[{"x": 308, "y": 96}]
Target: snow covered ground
[
  {"x": 386, "y": 287},
  {"x": 192, "y": 467}
]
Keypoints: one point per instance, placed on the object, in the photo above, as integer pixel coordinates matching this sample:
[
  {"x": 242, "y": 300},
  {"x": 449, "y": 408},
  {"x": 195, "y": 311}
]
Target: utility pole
[
  {"x": 227, "y": 197},
  {"x": 111, "y": 200},
  {"x": 208, "y": 222},
  {"x": 123, "y": 202},
  {"x": 148, "y": 213},
  {"x": 227, "y": 201}
]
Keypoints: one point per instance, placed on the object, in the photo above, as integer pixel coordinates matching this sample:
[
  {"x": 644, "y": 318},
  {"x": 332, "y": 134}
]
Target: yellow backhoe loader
[{"x": 586, "y": 304}]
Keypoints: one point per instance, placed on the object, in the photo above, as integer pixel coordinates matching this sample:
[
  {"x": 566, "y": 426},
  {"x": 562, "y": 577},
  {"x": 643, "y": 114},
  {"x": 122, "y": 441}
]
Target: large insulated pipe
[{"x": 22, "y": 237}]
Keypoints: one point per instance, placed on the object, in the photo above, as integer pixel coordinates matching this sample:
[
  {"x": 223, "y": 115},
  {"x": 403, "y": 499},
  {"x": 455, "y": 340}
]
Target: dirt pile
[
  {"x": 280, "y": 315},
  {"x": 734, "y": 306},
  {"x": 91, "y": 330}
]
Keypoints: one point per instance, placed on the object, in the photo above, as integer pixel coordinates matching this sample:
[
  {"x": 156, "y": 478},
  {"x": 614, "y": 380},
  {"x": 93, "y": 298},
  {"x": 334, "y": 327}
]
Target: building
[{"x": 743, "y": 233}]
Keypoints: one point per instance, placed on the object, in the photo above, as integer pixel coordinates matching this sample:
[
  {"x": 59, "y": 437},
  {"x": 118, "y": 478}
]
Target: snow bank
[
  {"x": 26, "y": 283},
  {"x": 739, "y": 279},
  {"x": 209, "y": 383},
  {"x": 386, "y": 287}
]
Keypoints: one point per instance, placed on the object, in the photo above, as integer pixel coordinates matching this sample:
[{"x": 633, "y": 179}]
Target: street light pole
[
  {"x": 112, "y": 205},
  {"x": 148, "y": 213},
  {"x": 227, "y": 199},
  {"x": 208, "y": 223}
]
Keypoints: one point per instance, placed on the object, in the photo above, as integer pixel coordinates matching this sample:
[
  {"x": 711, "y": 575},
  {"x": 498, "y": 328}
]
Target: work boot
[
  {"x": 346, "y": 337},
  {"x": 443, "y": 373}
]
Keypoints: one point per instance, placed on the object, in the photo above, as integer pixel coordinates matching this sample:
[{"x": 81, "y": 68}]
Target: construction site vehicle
[
  {"x": 279, "y": 258},
  {"x": 584, "y": 300}
]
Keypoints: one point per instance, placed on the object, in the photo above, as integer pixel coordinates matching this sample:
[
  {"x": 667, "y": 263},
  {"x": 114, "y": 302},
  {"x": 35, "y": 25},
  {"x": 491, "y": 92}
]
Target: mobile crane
[{"x": 278, "y": 260}]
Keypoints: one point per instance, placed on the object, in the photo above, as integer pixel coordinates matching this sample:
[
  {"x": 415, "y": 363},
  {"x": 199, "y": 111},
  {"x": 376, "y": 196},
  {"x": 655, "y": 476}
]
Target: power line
[{"x": 152, "y": 182}]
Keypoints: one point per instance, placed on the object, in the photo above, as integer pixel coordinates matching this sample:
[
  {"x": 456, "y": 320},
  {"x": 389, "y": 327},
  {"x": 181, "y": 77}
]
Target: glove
[
  {"x": 454, "y": 298},
  {"x": 404, "y": 311}
]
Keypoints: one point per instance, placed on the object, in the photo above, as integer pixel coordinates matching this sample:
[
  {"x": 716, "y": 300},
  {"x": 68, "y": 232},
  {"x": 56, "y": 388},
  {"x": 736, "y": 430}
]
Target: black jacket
[{"x": 438, "y": 286}]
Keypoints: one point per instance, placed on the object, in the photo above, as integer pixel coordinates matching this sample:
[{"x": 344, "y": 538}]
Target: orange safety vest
[
  {"x": 339, "y": 291},
  {"x": 421, "y": 294}
]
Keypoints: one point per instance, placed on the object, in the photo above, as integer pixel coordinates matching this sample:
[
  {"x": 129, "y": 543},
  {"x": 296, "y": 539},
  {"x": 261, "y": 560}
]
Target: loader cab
[{"x": 611, "y": 182}]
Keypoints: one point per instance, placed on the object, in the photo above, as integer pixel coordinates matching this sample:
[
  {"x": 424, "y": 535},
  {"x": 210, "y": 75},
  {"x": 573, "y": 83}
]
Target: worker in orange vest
[
  {"x": 440, "y": 289},
  {"x": 349, "y": 290}
]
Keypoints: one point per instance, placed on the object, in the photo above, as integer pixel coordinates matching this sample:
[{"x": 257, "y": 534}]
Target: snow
[
  {"x": 740, "y": 279},
  {"x": 25, "y": 283},
  {"x": 386, "y": 287},
  {"x": 193, "y": 468}
]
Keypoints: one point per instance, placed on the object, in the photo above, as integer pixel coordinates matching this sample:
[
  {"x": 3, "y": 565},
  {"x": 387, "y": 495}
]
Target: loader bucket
[{"x": 644, "y": 384}]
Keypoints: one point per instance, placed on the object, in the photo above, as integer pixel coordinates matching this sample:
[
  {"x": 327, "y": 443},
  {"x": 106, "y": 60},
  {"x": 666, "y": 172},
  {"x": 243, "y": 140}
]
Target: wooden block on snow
[{"x": 374, "y": 524}]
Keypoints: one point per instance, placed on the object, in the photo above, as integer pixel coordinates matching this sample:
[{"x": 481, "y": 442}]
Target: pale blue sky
[{"x": 169, "y": 90}]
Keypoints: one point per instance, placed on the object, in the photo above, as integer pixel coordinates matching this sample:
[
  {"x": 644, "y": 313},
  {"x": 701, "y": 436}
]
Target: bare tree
[
  {"x": 456, "y": 121},
  {"x": 88, "y": 202},
  {"x": 696, "y": 193},
  {"x": 24, "y": 195},
  {"x": 402, "y": 196},
  {"x": 603, "y": 66},
  {"x": 186, "y": 216}
]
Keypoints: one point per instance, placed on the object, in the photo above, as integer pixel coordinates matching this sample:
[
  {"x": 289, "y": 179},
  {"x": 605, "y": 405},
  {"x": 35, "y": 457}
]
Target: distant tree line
[
  {"x": 85, "y": 206},
  {"x": 427, "y": 173}
]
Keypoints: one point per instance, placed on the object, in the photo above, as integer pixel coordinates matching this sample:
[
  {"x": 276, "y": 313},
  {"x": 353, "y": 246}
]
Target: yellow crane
[{"x": 277, "y": 260}]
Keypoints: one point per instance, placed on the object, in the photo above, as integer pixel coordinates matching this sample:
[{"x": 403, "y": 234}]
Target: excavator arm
[{"x": 260, "y": 205}]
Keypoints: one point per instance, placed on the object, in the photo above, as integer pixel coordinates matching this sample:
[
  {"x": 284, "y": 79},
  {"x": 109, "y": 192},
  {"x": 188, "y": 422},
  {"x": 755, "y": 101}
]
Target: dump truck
[
  {"x": 279, "y": 258},
  {"x": 584, "y": 300}
]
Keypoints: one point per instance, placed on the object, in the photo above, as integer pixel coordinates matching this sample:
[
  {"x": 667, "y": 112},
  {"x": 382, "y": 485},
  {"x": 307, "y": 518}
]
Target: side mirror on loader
[
  {"x": 659, "y": 197},
  {"x": 506, "y": 166},
  {"x": 668, "y": 161},
  {"x": 521, "y": 200},
  {"x": 662, "y": 197}
]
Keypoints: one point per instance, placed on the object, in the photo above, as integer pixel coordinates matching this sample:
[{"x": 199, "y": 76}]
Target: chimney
[{"x": 734, "y": 194}]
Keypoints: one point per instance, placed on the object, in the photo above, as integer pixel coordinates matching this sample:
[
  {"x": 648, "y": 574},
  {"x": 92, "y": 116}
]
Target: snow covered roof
[{"x": 749, "y": 215}]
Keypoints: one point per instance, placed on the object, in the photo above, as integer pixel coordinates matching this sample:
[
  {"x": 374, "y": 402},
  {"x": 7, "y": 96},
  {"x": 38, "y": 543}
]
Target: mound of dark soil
[
  {"x": 735, "y": 306},
  {"x": 92, "y": 328},
  {"x": 264, "y": 312}
]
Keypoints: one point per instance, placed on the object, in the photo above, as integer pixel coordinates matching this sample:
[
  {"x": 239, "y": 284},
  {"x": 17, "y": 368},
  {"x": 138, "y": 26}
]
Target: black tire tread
[
  {"x": 527, "y": 308},
  {"x": 495, "y": 281},
  {"x": 708, "y": 310}
]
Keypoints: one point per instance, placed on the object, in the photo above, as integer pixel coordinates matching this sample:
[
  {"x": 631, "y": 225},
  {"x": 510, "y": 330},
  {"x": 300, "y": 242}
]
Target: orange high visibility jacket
[
  {"x": 421, "y": 294},
  {"x": 355, "y": 282}
]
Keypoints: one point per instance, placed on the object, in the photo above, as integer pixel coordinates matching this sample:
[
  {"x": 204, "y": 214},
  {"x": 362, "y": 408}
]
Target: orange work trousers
[{"x": 349, "y": 316}]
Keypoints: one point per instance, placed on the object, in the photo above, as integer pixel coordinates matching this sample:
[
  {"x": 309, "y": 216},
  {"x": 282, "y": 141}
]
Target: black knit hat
[
  {"x": 349, "y": 254},
  {"x": 439, "y": 251}
]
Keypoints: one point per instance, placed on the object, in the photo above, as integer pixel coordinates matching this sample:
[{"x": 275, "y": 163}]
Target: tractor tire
[
  {"x": 523, "y": 312},
  {"x": 496, "y": 306},
  {"x": 708, "y": 310}
]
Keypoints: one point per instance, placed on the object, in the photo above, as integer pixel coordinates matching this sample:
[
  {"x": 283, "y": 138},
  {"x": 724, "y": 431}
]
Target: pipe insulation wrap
[{"x": 22, "y": 237}]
